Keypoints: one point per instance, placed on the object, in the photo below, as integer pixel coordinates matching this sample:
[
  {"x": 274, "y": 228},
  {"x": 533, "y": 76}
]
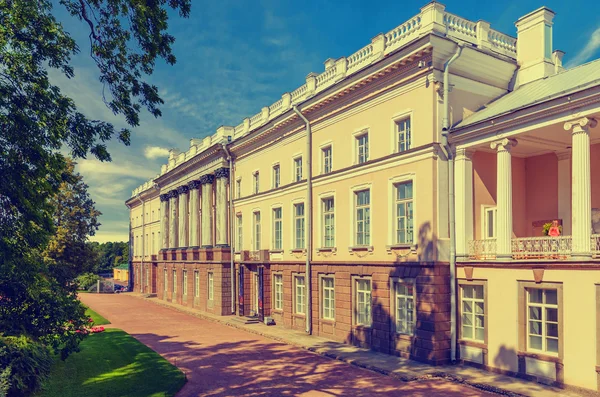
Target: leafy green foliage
[
  {"x": 25, "y": 362},
  {"x": 110, "y": 254},
  {"x": 96, "y": 318},
  {"x": 86, "y": 280}
]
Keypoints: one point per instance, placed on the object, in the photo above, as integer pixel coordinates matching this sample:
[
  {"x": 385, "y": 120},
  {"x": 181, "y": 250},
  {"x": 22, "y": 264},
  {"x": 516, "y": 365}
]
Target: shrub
[
  {"x": 86, "y": 280},
  {"x": 24, "y": 365}
]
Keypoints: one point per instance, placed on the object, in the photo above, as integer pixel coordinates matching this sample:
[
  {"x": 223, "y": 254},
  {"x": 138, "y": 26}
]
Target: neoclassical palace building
[{"x": 434, "y": 195}]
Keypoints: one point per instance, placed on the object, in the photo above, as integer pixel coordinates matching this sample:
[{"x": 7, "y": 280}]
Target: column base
[
  {"x": 208, "y": 246},
  {"x": 222, "y": 246},
  {"x": 581, "y": 256},
  {"x": 504, "y": 257}
]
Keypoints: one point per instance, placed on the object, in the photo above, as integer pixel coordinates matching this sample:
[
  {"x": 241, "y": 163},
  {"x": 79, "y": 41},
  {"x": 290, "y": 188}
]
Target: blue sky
[{"x": 234, "y": 57}]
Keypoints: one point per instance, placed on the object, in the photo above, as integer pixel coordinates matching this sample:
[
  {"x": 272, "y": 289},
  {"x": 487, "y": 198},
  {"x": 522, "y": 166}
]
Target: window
[
  {"x": 298, "y": 169},
  {"x": 277, "y": 229},
  {"x": 362, "y": 148},
  {"x": 328, "y": 293},
  {"x": 278, "y": 281},
  {"x": 542, "y": 320},
  {"x": 404, "y": 305},
  {"x": 328, "y": 223},
  {"x": 300, "y": 294},
  {"x": 197, "y": 284},
  {"x": 403, "y": 134},
  {"x": 211, "y": 286},
  {"x": 489, "y": 222},
  {"x": 363, "y": 302},
  {"x": 363, "y": 217},
  {"x": 238, "y": 188},
  {"x": 276, "y": 176},
  {"x": 256, "y": 182},
  {"x": 174, "y": 281},
  {"x": 185, "y": 283},
  {"x": 327, "y": 159},
  {"x": 299, "y": 226},
  {"x": 257, "y": 231},
  {"x": 404, "y": 213},
  {"x": 240, "y": 233},
  {"x": 165, "y": 281},
  {"x": 473, "y": 312}
]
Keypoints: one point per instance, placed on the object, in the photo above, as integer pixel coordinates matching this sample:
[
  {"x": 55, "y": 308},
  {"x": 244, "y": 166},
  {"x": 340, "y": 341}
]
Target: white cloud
[
  {"x": 588, "y": 51},
  {"x": 92, "y": 167},
  {"x": 154, "y": 152}
]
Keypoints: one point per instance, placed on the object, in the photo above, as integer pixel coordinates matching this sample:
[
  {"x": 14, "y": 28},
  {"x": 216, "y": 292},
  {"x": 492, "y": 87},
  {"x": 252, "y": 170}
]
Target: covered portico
[{"x": 522, "y": 164}]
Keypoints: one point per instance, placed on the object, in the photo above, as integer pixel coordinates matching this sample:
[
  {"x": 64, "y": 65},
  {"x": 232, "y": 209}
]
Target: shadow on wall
[
  {"x": 262, "y": 367},
  {"x": 506, "y": 359}
]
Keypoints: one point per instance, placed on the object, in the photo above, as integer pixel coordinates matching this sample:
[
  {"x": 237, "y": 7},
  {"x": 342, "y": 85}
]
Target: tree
[
  {"x": 75, "y": 219},
  {"x": 127, "y": 37}
]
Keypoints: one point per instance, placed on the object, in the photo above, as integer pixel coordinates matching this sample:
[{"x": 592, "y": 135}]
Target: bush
[
  {"x": 86, "y": 280},
  {"x": 24, "y": 365}
]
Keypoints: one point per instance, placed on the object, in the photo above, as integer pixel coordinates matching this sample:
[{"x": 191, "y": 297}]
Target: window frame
[
  {"x": 210, "y": 287},
  {"x": 302, "y": 219},
  {"x": 366, "y": 233},
  {"x": 297, "y": 160},
  {"x": 256, "y": 182},
  {"x": 174, "y": 281},
  {"x": 276, "y": 176},
  {"x": 277, "y": 303},
  {"x": 256, "y": 230},
  {"x": 166, "y": 280},
  {"x": 196, "y": 284},
  {"x": 412, "y": 283},
  {"x": 297, "y": 288},
  {"x": 238, "y": 188},
  {"x": 184, "y": 281},
  {"x": 324, "y": 215},
  {"x": 322, "y": 298},
  {"x": 405, "y": 202},
  {"x": 326, "y": 162},
  {"x": 355, "y": 299},
  {"x": 485, "y": 209},
  {"x": 543, "y": 321},
  {"x": 461, "y": 338},
  {"x": 358, "y": 136},
  {"x": 239, "y": 232},
  {"x": 275, "y": 221}
]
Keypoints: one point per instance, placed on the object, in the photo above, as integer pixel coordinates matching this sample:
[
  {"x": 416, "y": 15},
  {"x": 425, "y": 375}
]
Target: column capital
[
  {"x": 580, "y": 124},
  {"x": 505, "y": 144},
  {"x": 464, "y": 153},
  {"x": 222, "y": 173},
  {"x": 164, "y": 197},
  {"x": 172, "y": 194},
  {"x": 183, "y": 189},
  {"x": 207, "y": 179},
  {"x": 195, "y": 184}
]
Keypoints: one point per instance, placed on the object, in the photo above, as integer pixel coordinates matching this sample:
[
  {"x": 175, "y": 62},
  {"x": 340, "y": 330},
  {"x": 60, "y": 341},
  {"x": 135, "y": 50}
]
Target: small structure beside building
[{"x": 121, "y": 273}]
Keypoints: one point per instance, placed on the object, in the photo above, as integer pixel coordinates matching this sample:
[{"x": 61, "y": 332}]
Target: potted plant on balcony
[{"x": 552, "y": 226}]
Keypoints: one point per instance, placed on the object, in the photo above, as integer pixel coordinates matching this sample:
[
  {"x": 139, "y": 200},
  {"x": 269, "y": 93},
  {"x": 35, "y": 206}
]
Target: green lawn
[
  {"x": 113, "y": 363},
  {"x": 98, "y": 319}
]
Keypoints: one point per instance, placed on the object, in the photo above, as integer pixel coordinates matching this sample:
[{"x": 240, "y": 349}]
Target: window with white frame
[
  {"x": 403, "y": 134},
  {"x": 240, "y": 233},
  {"x": 165, "y": 280},
  {"x": 328, "y": 294},
  {"x": 363, "y": 217},
  {"x": 328, "y": 223},
  {"x": 472, "y": 312},
  {"x": 197, "y": 284},
  {"x": 211, "y": 286},
  {"x": 405, "y": 305},
  {"x": 326, "y": 158},
  {"x": 298, "y": 169},
  {"x": 362, "y": 148},
  {"x": 257, "y": 231},
  {"x": 276, "y": 176},
  {"x": 174, "y": 281},
  {"x": 404, "y": 213},
  {"x": 542, "y": 320},
  {"x": 299, "y": 286},
  {"x": 185, "y": 283},
  {"x": 277, "y": 229},
  {"x": 362, "y": 302},
  {"x": 278, "y": 291},
  {"x": 299, "y": 226},
  {"x": 256, "y": 176},
  {"x": 489, "y": 222},
  {"x": 238, "y": 188}
]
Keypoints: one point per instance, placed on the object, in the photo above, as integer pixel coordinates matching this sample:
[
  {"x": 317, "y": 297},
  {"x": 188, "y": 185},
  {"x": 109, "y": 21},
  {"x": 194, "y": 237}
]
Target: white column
[
  {"x": 194, "y": 212},
  {"x": 222, "y": 175},
  {"x": 173, "y": 218},
  {"x": 564, "y": 191},
  {"x": 463, "y": 188},
  {"x": 183, "y": 216},
  {"x": 207, "y": 216},
  {"x": 164, "y": 221},
  {"x": 504, "y": 224},
  {"x": 581, "y": 204}
]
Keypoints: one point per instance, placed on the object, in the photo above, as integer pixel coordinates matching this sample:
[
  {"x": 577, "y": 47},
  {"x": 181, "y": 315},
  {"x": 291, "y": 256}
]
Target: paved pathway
[{"x": 223, "y": 361}]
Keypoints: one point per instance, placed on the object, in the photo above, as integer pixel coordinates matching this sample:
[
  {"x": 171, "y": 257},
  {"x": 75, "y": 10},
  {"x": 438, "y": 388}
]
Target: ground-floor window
[
  {"x": 278, "y": 291},
  {"x": 174, "y": 281},
  {"x": 185, "y": 283},
  {"x": 211, "y": 287},
  {"x": 404, "y": 305},
  {"x": 542, "y": 320},
  {"x": 328, "y": 294},
  {"x": 362, "y": 304},
  {"x": 299, "y": 285},
  {"x": 165, "y": 281},
  {"x": 472, "y": 308},
  {"x": 197, "y": 284}
]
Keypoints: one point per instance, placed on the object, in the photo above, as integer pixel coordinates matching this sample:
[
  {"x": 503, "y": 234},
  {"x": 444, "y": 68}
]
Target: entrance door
[{"x": 255, "y": 286}]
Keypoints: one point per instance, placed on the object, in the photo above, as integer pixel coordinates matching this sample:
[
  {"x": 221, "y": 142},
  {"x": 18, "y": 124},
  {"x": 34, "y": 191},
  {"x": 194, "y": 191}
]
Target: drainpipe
[
  {"x": 307, "y": 277},
  {"x": 449, "y": 153},
  {"x": 143, "y": 252},
  {"x": 231, "y": 250}
]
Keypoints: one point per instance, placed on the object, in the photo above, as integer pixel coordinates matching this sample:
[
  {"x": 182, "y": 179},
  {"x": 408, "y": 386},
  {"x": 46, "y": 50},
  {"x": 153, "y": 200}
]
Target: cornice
[{"x": 185, "y": 168}]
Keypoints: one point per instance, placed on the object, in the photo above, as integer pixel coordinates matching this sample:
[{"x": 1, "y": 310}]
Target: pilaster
[
  {"x": 183, "y": 216},
  {"x": 207, "y": 210},
  {"x": 463, "y": 187},
  {"x": 194, "y": 213},
  {"x": 564, "y": 193},
  {"x": 173, "y": 218},
  {"x": 581, "y": 202},
  {"x": 504, "y": 223},
  {"x": 164, "y": 221},
  {"x": 222, "y": 176}
]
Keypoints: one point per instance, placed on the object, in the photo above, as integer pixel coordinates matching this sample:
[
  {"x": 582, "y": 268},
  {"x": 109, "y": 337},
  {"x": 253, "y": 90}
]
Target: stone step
[{"x": 246, "y": 320}]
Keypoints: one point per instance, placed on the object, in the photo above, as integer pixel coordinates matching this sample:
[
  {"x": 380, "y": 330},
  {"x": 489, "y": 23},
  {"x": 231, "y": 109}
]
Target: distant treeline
[{"x": 110, "y": 254}]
